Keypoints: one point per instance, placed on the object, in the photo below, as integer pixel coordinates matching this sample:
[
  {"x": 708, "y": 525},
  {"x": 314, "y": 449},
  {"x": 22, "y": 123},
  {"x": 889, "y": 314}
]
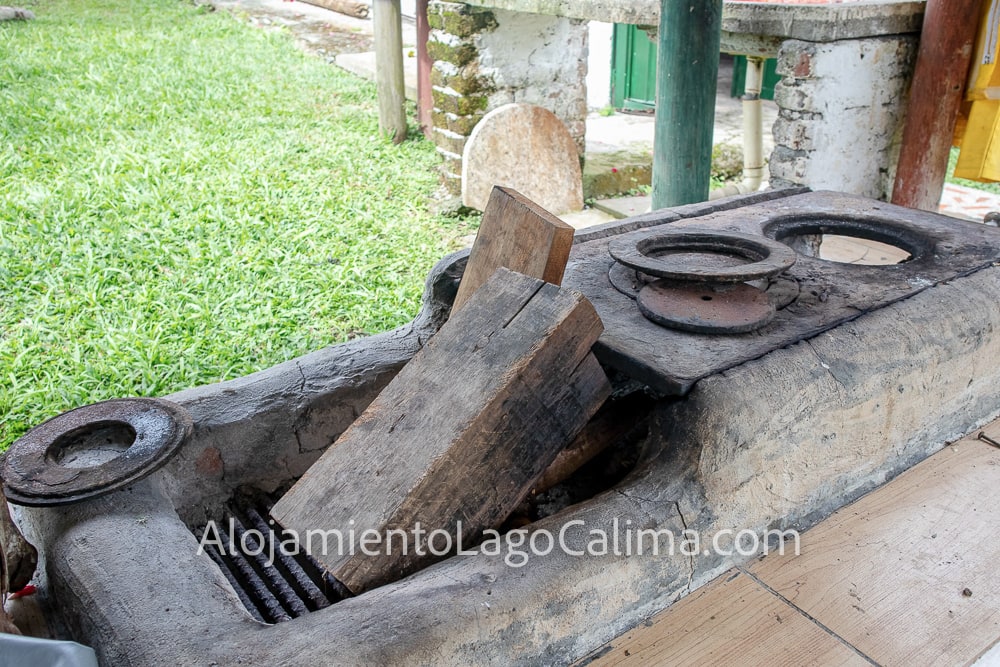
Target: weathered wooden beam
[
  {"x": 389, "y": 84},
  {"x": 615, "y": 422},
  {"x": 357, "y": 8},
  {"x": 457, "y": 439},
  {"x": 517, "y": 234},
  {"x": 943, "y": 58}
]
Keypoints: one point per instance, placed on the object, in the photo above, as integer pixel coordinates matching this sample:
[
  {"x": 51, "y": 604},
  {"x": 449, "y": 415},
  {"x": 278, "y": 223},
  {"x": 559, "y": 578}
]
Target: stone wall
[
  {"x": 841, "y": 107},
  {"x": 485, "y": 58}
]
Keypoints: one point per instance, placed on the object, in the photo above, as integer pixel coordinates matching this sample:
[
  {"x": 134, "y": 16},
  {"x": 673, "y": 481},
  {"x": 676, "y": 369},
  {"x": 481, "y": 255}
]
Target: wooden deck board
[
  {"x": 732, "y": 621},
  {"x": 908, "y": 574}
]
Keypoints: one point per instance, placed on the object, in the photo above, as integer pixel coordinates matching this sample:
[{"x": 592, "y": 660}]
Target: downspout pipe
[{"x": 753, "y": 135}]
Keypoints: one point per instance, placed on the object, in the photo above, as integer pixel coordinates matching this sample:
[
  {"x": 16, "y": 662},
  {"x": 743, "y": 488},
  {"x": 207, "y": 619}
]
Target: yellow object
[
  {"x": 984, "y": 75},
  {"x": 979, "y": 159},
  {"x": 978, "y": 129}
]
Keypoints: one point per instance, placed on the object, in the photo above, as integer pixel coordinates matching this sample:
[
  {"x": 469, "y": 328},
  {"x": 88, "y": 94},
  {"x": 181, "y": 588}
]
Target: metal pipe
[
  {"x": 295, "y": 571},
  {"x": 425, "y": 102},
  {"x": 753, "y": 134},
  {"x": 686, "y": 71}
]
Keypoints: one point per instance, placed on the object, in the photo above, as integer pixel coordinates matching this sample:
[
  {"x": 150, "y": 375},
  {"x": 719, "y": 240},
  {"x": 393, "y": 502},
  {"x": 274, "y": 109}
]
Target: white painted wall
[
  {"x": 599, "y": 65},
  {"x": 840, "y": 113},
  {"x": 537, "y": 59}
]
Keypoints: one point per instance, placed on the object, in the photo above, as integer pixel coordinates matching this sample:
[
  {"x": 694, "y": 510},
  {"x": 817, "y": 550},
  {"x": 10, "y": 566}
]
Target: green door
[
  {"x": 633, "y": 69},
  {"x": 740, "y": 77}
]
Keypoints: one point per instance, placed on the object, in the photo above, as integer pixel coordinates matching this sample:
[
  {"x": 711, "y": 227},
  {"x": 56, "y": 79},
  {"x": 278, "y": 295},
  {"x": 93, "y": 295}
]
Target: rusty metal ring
[
  {"x": 93, "y": 450},
  {"x": 679, "y": 255}
]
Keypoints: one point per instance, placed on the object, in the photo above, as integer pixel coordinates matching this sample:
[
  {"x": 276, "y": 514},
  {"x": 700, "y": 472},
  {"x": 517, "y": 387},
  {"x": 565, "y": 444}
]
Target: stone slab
[
  {"x": 527, "y": 148},
  {"x": 363, "y": 65},
  {"x": 625, "y": 207},
  {"x": 819, "y": 22},
  {"x": 588, "y": 217},
  {"x": 830, "y": 293}
]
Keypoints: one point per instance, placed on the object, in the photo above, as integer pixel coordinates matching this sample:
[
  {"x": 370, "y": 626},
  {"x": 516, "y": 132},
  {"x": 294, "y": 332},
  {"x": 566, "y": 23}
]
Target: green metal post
[{"x": 686, "y": 71}]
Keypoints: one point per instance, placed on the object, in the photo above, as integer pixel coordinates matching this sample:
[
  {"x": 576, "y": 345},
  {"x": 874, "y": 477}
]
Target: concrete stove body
[{"x": 861, "y": 372}]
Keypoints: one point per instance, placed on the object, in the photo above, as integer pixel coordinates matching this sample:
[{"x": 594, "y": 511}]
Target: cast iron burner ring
[
  {"x": 689, "y": 255},
  {"x": 701, "y": 278},
  {"x": 93, "y": 450}
]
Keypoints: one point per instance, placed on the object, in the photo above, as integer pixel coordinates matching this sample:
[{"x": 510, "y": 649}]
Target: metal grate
[{"x": 272, "y": 585}]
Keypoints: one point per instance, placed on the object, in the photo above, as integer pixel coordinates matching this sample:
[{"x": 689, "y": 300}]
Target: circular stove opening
[
  {"x": 92, "y": 444},
  {"x": 857, "y": 241}
]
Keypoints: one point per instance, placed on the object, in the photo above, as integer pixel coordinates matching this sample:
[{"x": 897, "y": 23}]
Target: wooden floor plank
[
  {"x": 908, "y": 574},
  {"x": 732, "y": 621}
]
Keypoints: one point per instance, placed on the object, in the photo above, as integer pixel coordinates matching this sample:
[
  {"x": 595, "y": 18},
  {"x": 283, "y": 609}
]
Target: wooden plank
[
  {"x": 357, "y": 8},
  {"x": 939, "y": 77},
  {"x": 460, "y": 435},
  {"x": 387, "y": 24},
  {"x": 731, "y": 621},
  {"x": 517, "y": 234},
  {"x": 890, "y": 572},
  {"x": 615, "y": 422}
]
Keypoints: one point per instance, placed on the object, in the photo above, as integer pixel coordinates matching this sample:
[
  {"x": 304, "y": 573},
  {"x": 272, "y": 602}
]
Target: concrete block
[
  {"x": 464, "y": 80},
  {"x": 793, "y": 134},
  {"x": 451, "y": 101},
  {"x": 448, "y": 140},
  {"x": 457, "y": 54}
]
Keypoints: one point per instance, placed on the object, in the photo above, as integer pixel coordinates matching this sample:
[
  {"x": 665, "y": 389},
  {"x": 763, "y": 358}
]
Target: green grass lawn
[{"x": 186, "y": 199}]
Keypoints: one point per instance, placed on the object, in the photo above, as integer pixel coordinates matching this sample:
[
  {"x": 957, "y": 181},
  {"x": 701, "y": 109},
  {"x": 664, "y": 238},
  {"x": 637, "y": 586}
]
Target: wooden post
[
  {"x": 946, "y": 43},
  {"x": 388, "y": 27},
  {"x": 687, "y": 67},
  {"x": 425, "y": 101}
]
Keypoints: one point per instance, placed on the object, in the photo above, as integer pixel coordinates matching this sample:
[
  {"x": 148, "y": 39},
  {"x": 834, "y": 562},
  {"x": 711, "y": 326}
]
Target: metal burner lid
[{"x": 93, "y": 450}]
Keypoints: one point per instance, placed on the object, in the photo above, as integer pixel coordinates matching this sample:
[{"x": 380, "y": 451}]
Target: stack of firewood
[{"x": 472, "y": 423}]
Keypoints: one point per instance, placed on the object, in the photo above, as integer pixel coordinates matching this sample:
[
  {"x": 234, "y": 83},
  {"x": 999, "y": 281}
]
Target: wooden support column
[
  {"x": 388, "y": 27},
  {"x": 946, "y": 43},
  {"x": 687, "y": 66},
  {"x": 425, "y": 101}
]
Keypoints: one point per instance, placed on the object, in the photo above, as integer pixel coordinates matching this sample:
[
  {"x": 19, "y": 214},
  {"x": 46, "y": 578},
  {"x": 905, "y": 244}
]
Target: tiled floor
[
  {"x": 904, "y": 576},
  {"x": 962, "y": 202}
]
